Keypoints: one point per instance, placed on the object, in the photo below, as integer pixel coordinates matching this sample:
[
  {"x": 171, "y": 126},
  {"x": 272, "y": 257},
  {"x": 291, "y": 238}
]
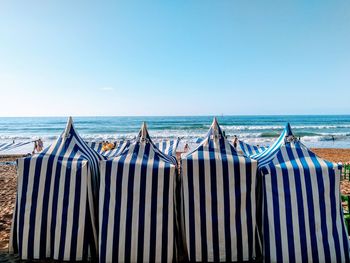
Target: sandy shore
[
  {"x": 8, "y": 187},
  {"x": 7, "y": 200}
]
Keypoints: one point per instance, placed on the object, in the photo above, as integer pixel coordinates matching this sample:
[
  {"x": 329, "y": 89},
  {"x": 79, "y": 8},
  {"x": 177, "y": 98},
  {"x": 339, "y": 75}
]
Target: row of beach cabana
[{"x": 138, "y": 202}]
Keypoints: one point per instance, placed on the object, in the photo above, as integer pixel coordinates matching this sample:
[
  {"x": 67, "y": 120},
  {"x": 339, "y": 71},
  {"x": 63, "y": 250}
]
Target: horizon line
[{"x": 205, "y": 115}]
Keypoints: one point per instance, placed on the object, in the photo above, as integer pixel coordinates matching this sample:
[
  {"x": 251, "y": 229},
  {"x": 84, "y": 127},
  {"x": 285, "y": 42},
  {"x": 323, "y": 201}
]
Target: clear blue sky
[{"x": 62, "y": 58}]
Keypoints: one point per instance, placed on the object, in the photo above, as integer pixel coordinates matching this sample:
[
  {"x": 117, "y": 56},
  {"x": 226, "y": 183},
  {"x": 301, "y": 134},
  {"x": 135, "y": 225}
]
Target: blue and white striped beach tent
[
  {"x": 137, "y": 209},
  {"x": 302, "y": 219},
  {"x": 219, "y": 197},
  {"x": 120, "y": 146},
  {"x": 54, "y": 214},
  {"x": 249, "y": 149}
]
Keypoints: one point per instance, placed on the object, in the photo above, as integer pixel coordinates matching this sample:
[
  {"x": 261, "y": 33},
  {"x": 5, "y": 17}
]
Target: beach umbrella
[
  {"x": 219, "y": 199},
  {"x": 56, "y": 203},
  {"x": 137, "y": 204},
  {"x": 301, "y": 212}
]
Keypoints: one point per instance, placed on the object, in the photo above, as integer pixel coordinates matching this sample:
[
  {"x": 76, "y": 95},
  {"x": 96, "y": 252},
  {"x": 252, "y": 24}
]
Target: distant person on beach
[
  {"x": 235, "y": 139},
  {"x": 333, "y": 138},
  {"x": 38, "y": 146},
  {"x": 186, "y": 148}
]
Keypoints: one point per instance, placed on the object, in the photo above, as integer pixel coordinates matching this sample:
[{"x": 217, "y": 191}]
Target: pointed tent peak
[
  {"x": 215, "y": 124},
  {"x": 215, "y": 130},
  {"x": 143, "y": 134},
  {"x": 70, "y": 119},
  {"x": 289, "y": 136},
  {"x": 288, "y": 130},
  {"x": 69, "y": 126}
]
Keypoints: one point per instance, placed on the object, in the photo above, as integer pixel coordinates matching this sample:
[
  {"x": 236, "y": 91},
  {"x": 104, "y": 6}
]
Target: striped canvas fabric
[
  {"x": 266, "y": 156},
  {"x": 137, "y": 210},
  {"x": 168, "y": 147},
  {"x": 219, "y": 192},
  {"x": 12, "y": 145},
  {"x": 120, "y": 146},
  {"x": 249, "y": 149},
  {"x": 302, "y": 218},
  {"x": 54, "y": 214}
]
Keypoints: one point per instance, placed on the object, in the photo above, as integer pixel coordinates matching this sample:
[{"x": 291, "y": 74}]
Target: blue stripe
[
  {"x": 276, "y": 213},
  {"x": 118, "y": 202},
  {"x": 227, "y": 214},
  {"x": 249, "y": 202},
  {"x": 214, "y": 202},
  {"x": 105, "y": 213},
  {"x": 237, "y": 199},
  {"x": 65, "y": 203},
  {"x": 154, "y": 197},
  {"x": 76, "y": 208},
  {"x": 333, "y": 207},
  {"x": 288, "y": 206},
  {"x": 143, "y": 179},
  {"x": 129, "y": 207},
  {"x": 33, "y": 207},
  {"x": 202, "y": 205},
  {"x": 47, "y": 190},
  {"x": 266, "y": 227},
  {"x": 310, "y": 205},
  {"x": 23, "y": 202},
  {"x": 55, "y": 198},
  {"x": 191, "y": 208},
  {"x": 300, "y": 204},
  {"x": 320, "y": 184},
  {"x": 165, "y": 213}
]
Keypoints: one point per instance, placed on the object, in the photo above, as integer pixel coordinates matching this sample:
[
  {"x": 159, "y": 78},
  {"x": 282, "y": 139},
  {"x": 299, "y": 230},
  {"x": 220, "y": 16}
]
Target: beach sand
[{"x": 8, "y": 188}]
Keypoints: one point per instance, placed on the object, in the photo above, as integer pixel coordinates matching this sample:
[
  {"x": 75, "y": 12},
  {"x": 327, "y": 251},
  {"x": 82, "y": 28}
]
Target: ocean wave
[
  {"x": 280, "y": 127},
  {"x": 192, "y": 134}
]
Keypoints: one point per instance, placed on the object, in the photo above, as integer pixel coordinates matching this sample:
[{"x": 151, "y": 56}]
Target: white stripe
[
  {"x": 196, "y": 212},
  {"x": 294, "y": 206},
  {"x": 123, "y": 206},
  {"x": 136, "y": 204},
  {"x": 148, "y": 197},
  {"x": 208, "y": 203},
  {"x": 102, "y": 199},
  {"x": 26, "y": 213},
  {"x": 49, "y": 212},
  {"x": 220, "y": 202},
  {"x": 111, "y": 188},
  {"x": 305, "y": 202},
  {"x": 316, "y": 202},
  {"x": 61, "y": 193},
  {"x": 159, "y": 224},
  {"x": 171, "y": 205},
  {"x": 243, "y": 188},
  {"x": 232, "y": 182},
  {"x": 270, "y": 215},
  {"x": 70, "y": 209},
  {"x": 327, "y": 194}
]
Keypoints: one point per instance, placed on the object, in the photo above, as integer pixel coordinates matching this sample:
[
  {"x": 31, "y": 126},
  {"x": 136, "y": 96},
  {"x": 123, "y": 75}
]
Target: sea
[{"x": 328, "y": 131}]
